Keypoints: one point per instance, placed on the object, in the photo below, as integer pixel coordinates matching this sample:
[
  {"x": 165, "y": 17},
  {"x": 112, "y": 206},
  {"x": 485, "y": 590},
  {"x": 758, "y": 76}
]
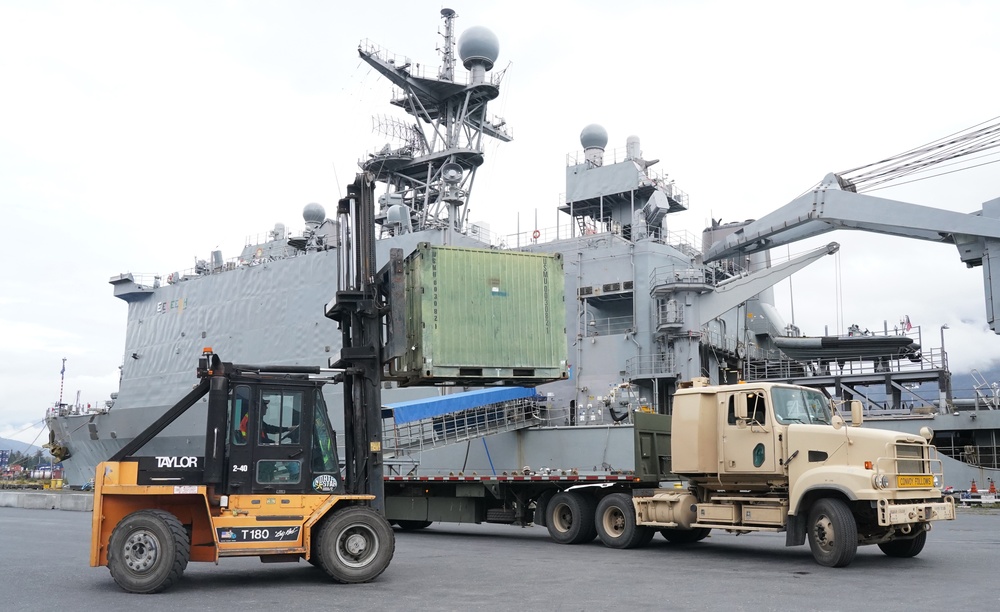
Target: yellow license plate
[{"x": 915, "y": 482}]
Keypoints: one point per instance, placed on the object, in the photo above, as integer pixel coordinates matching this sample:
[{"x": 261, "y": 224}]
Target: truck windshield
[{"x": 793, "y": 405}]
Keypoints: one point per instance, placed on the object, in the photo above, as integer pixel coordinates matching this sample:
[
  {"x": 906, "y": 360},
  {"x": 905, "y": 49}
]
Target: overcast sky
[{"x": 138, "y": 136}]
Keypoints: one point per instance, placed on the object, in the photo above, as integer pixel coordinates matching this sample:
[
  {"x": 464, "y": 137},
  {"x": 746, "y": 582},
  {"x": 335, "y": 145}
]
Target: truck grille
[{"x": 909, "y": 467}]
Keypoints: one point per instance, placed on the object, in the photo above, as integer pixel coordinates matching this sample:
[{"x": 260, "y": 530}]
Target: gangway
[{"x": 413, "y": 426}]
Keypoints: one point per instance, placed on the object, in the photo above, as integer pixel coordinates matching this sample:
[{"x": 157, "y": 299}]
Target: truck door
[
  {"x": 747, "y": 444},
  {"x": 267, "y": 440}
]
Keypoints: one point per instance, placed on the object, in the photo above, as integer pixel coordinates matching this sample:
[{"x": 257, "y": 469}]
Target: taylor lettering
[{"x": 177, "y": 462}]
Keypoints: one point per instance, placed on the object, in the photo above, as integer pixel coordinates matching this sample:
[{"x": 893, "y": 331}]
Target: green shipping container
[{"x": 477, "y": 316}]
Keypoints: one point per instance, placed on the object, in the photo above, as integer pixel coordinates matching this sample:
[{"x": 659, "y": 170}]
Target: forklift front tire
[
  {"x": 355, "y": 544},
  {"x": 148, "y": 551}
]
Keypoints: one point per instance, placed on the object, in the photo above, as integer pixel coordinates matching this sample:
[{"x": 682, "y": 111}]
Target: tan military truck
[{"x": 773, "y": 457}]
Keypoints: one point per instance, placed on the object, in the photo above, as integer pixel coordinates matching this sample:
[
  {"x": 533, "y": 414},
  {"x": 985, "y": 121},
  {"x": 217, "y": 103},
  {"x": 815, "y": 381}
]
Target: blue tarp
[{"x": 415, "y": 410}]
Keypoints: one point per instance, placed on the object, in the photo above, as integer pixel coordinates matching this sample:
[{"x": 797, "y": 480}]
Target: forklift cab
[{"x": 279, "y": 438}]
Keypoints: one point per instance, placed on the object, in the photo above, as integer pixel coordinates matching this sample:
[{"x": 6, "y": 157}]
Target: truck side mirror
[
  {"x": 857, "y": 412},
  {"x": 741, "y": 411}
]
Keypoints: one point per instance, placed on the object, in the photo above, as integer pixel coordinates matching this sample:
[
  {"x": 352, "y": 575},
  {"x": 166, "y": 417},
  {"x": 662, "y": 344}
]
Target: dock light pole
[
  {"x": 944, "y": 355},
  {"x": 945, "y": 382}
]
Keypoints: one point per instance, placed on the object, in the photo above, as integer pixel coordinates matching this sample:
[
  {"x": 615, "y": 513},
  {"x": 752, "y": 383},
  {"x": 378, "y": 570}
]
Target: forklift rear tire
[
  {"x": 148, "y": 551},
  {"x": 355, "y": 545}
]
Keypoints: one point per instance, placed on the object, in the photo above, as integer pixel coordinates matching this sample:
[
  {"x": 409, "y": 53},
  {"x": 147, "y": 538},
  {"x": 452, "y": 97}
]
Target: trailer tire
[
  {"x": 615, "y": 522},
  {"x": 684, "y": 536},
  {"x": 355, "y": 545},
  {"x": 903, "y": 549},
  {"x": 412, "y": 525},
  {"x": 570, "y": 518},
  {"x": 833, "y": 533},
  {"x": 148, "y": 551}
]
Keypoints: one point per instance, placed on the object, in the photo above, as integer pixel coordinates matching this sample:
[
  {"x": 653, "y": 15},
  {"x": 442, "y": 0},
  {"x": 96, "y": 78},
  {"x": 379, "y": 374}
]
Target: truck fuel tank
[{"x": 673, "y": 509}]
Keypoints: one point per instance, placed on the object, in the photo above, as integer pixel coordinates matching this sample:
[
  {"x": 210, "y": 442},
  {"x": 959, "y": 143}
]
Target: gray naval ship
[{"x": 645, "y": 311}]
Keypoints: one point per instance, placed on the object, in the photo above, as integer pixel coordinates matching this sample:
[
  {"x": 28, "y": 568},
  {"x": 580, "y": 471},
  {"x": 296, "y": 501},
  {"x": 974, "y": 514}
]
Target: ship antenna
[
  {"x": 448, "y": 50},
  {"x": 62, "y": 380}
]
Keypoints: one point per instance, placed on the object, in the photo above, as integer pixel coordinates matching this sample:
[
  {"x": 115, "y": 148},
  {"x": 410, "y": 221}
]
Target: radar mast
[{"x": 429, "y": 166}]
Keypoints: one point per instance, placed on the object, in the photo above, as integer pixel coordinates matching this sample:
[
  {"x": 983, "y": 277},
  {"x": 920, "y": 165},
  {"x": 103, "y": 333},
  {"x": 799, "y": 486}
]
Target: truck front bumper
[{"x": 894, "y": 513}]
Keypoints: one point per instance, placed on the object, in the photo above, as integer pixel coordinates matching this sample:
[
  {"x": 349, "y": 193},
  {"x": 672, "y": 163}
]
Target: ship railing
[
  {"x": 63, "y": 410},
  {"x": 669, "y": 313},
  {"x": 979, "y": 455},
  {"x": 567, "y": 228},
  {"x": 202, "y": 268},
  {"x": 774, "y": 365},
  {"x": 666, "y": 276},
  {"x": 402, "y": 440},
  {"x": 663, "y": 365},
  {"x": 664, "y": 183},
  {"x": 421, "y": 71},
  {"x": 608, "y": 326}
]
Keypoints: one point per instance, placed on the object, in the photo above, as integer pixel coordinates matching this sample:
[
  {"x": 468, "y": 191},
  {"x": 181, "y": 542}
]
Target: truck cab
[{"x": 773, "y": 457}]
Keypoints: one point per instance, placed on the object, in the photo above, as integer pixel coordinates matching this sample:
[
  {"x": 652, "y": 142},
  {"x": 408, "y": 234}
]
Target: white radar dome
[
  {"x": 594, "y": 136},
  {"x": 314, "y": 213},
  {"x": 478, "y": 45}
]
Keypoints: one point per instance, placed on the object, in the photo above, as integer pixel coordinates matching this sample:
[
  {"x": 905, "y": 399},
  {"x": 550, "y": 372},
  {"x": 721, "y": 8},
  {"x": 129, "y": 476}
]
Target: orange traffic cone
[
  {"x": 973, "y": 489},
  {"x": 993, "y": 487}
]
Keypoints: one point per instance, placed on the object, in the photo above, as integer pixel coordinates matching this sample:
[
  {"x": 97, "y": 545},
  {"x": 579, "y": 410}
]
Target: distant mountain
[{"x": 23, "y": 447}]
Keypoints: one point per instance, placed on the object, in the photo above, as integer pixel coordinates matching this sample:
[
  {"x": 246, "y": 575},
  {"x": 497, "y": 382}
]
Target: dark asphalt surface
[{"x": 44, "y": 565}]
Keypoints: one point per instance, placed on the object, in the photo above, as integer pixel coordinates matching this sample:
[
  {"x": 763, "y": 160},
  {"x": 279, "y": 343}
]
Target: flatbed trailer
[{"x": 556, "y": 501}]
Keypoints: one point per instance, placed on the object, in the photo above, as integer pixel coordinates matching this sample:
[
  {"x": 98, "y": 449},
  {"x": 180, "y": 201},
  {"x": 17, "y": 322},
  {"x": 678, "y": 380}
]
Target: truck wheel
[
  {"x": 833, "y": 534},
  {"x": 615, "y": 522},
  {"x": 570, "y": 518},
  {"x": 684, "y": 536},
  {"x": 148, "y": 551},
  {"x": 355, "y": 545},
  {"x": 413, "y": 525},
  {"x": 909, "y": 547}
]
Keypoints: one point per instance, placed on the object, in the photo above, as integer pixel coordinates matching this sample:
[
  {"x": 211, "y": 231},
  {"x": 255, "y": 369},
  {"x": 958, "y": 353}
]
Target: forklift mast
[{"x": 359, "y": 309}]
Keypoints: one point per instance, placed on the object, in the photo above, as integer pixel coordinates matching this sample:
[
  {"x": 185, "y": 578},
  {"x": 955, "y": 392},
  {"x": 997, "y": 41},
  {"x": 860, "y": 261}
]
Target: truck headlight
[
  {"x": 881, "y": 481},
  {"x": 937, "y": 481}
]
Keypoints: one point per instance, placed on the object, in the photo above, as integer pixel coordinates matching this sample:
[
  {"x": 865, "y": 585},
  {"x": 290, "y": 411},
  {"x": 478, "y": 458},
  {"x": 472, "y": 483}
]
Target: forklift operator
[
  {"x": 268, "y": 428},
  {"x": 282, "y": 432}
]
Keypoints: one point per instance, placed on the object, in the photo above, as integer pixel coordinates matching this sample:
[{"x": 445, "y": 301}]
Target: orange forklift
[{"x": 270, "y": 483}]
